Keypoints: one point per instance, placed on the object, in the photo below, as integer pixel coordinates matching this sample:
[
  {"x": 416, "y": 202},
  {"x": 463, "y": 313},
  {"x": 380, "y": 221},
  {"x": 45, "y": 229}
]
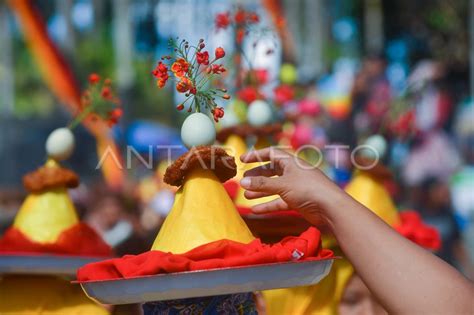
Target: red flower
[
  {"x": 184, "y": 85},
  {"x": 248, "y": 94},
  {"x": 220, "y": 53},
  {"x": 114, "y": 116},
  {"x": 160, "y": 70},
  {"x": 216, "y": 69},
  {"x": 161, "y": 73},
  {"x": 180, "y": 107},
  {"x": 260, "y": 75},
  {"x": 180, "y": 67},
  {"x": 239, "y": 37},
  {"x": 253, "y": 17},
  {"x": 106, "y": 92},
  {"x": 240, "y": 16},
  {"x": 222, "y": 20},
  {"x": 202, "y": 58},
  {"x": 283, "y": 93},
  {"x": 94, "y": 78},
  {"x": 161, "y": 82},
  {"x": 218, "y": 113}
]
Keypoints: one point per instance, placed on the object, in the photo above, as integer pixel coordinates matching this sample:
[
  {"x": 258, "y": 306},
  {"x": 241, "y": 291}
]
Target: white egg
[
  {"x": 230, "y": 119},
  {"x": 60, "y": 144},
  {"x": 259, "y": 113},
  {"x": 198, "y": 129},
  {"x": 377, "y": 144}
]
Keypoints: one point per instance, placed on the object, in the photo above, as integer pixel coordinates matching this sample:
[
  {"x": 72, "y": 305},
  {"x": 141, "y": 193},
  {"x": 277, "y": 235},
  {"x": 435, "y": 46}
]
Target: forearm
[{"x": 388, "y": 263}]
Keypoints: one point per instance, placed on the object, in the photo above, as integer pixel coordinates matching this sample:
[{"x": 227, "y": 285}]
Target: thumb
[{"x": 261, "y": 184}]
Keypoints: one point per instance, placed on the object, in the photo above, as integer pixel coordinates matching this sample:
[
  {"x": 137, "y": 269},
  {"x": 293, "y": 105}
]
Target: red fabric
[
  {"x": 219, "y": 254},
  {"x": 413, "y": 228},
  {"x": 232, "y": 188},
  {"x": 80, "y": 240}
]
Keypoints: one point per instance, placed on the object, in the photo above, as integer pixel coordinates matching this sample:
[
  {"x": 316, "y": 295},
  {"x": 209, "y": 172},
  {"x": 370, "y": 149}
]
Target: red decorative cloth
[
  {"x": 232, "y": 188},
  {"x": 79, "y": 240},
  {"x": 412, "y": 227},
  {"x": 243, "y": 211},
  {"x": 218, "y": 254}
]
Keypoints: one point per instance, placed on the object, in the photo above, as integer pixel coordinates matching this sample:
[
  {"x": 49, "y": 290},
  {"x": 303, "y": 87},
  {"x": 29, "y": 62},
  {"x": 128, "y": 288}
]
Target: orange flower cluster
[
  {"x": 99, "y": 101},
  {"x": 192, "y": 69},
  {"x": 161, "y": 73}
]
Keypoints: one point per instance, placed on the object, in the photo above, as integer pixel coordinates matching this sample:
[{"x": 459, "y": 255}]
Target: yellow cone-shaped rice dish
[
  {"x": 44, "y": 216},
  {"x": 371, "y": 193},
  {"x": 45, "y": 295},
  {"x": 202, "y": 213}
]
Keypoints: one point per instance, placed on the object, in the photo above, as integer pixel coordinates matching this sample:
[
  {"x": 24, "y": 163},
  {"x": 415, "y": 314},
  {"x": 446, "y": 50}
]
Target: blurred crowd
[
  {"x": 430, "y": 135},
  {"x": 430, "y": 152}
]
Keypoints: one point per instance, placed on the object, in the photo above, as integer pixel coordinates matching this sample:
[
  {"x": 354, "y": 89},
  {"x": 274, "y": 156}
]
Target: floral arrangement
[
  {"x": 99, "y": 101},
  {"x": 240, "y": 19},
  {"x": 192, "y": 68}
]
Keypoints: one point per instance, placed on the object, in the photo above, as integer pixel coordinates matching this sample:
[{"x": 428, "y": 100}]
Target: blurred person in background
[
  {"x": 357, "y": 299},
  {"x": 436, "y": 209},
  {"x": 116, "y": 216},
  {"x": 431, "y": 95},
  {"x": 10, "y": 202},
  {"x": 462, "y": 183},
  {"x": 371, "y": 96}
]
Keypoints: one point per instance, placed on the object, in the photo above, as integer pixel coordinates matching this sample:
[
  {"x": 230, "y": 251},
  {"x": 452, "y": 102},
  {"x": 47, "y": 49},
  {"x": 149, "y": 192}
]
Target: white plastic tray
[
  {"x": 207, "y": 283},
  {"x": 43, "y": 264}
]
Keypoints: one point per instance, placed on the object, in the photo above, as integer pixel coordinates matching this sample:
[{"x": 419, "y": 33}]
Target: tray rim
[
  {"x": 33, "y": 264},
  {"x": 205, "y": 270},
  {"x": 52, "y": 255}
]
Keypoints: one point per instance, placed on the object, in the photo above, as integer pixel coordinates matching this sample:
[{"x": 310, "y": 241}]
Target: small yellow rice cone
[
  {"x": 44, "y": 216},
  {"x": 45, "y": 295},
  {"x": 371, "y": 193}
]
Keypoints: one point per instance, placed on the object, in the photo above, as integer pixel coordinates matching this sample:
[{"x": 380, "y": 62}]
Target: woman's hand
[
  {"x": 392, "y": 267},
  {"x": 300, "y": 186}
]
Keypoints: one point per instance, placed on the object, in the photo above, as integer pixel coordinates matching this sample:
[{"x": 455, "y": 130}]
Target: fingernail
[{"x": 245, "y": 182}]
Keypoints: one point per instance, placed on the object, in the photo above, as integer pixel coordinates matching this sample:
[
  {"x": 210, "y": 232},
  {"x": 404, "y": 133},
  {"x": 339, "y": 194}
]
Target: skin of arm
[{"x": 404, "y": 277}]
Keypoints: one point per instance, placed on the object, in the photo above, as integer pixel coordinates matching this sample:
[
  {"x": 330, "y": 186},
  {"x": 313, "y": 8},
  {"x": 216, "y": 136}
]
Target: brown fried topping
[
  {"x": 206, "y": 157},
  {"x": 46, "y": 177}
]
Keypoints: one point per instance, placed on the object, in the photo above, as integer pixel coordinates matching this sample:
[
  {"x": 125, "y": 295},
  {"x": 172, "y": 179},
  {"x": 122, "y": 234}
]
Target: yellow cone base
[{"x": 202, "y": 213}]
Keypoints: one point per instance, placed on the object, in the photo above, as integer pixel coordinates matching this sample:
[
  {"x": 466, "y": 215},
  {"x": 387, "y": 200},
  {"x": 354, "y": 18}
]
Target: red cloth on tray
[
  {"x": 412, "y": 227},
  {"x": 80, "y": 240},
  {"x": 218, "y": 254}
]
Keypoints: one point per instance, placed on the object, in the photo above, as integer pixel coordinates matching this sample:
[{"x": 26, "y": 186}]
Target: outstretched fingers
[
  {"x": 255, "y": 194},
  {"x": 265, "y": 155},
  {"x": 261, "y": 184},
  {"x": 267, "y": 170},
  {"x": 271, "y": 206}
]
